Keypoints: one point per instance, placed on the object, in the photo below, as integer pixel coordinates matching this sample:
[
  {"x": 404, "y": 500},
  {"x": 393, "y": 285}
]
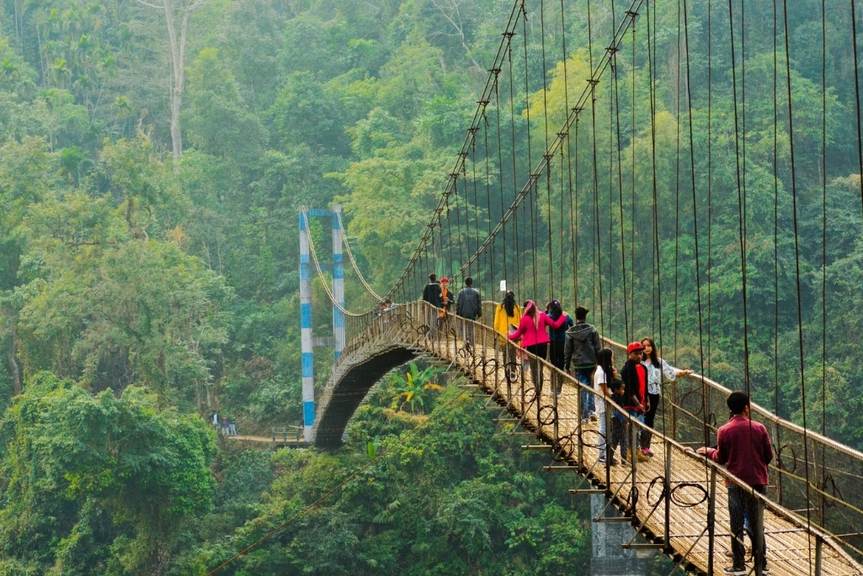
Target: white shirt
[
  {"x": 655, "y": 376},
  {"x": 599, "y": 378}
]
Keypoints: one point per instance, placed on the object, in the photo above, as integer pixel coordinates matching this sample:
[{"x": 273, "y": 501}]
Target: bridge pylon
[{"x": 307, "y": 341}]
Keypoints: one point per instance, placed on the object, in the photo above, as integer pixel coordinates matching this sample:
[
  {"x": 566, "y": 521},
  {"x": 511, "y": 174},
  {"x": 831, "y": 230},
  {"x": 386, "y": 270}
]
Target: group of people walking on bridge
[{"x": 575, "y": 347}]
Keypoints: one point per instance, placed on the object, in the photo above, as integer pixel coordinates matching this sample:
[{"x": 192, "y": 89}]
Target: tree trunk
[{"x": 173, "y": 9}]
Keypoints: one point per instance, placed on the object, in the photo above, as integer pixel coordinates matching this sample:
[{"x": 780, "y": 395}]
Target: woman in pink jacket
[{"x": 532, "y": 331}]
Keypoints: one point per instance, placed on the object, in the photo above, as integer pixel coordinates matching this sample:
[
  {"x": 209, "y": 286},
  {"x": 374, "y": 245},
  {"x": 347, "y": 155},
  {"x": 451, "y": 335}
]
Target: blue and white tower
[
  {"x": 306, "y": 331},
  {"x": 338, "y": 282}
]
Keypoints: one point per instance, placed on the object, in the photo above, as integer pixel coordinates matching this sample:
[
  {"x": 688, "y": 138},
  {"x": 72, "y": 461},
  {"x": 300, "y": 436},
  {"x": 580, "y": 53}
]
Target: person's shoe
[
  {"x": 642, "y": 457},
  {"x": 594, "y": 417},
  {"x": 765, "y": 570},
  {"x": 734, "y": 571}
]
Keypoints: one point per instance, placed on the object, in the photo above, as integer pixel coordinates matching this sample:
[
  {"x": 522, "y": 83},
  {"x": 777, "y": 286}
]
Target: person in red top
[
  {"x": 743, "y": 447},
  {"x": 634, "y": 375},
  {"x": 532, "y": 331}
]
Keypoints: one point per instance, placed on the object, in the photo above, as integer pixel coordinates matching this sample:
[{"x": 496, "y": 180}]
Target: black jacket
[
  {"x": 432, "y": 294},
  {"x": 582, "y": 346},
  {"x": 629, "y": 374},
  {"x": 468, "y": 304}
]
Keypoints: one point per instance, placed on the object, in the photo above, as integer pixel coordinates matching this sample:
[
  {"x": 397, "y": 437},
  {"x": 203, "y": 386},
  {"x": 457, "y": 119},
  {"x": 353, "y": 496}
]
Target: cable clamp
[{"x": 612, "y": 49}]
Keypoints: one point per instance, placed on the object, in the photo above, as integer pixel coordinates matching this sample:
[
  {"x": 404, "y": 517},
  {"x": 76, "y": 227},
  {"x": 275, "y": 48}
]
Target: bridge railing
[
  {"x": 512, "y": 374},
  {"x": 810, "y": 472}
]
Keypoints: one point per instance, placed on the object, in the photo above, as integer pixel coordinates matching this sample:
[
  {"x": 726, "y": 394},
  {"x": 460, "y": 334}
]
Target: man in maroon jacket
[{"x": 743, "y": 447}]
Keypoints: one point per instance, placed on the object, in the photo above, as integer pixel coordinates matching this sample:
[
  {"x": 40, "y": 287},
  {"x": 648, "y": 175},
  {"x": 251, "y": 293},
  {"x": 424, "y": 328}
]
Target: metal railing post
[
  {"x": 555, "y": 379},
  {"x": 579, "y": 424},
  {"x": 633, "y": 459},
  {"x": 711, "y": 520},
  {"x": 666, "y": 535},
  {"x": 819, "y": 545}
]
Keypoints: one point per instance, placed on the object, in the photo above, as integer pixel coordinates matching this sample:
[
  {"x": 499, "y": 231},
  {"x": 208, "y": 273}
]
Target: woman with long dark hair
[
  {"x": 557, "y": 336},
  {"x": 507, "y": 316},
  {"x": 658, "y": 373},
  {"x": 603, "y": 376}
]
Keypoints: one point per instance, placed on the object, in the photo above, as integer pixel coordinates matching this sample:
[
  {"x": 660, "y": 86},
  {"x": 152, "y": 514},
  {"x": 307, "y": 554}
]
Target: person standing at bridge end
[
  {"x": 468, "y": 305},
  {"x": 743, "y": 447},
  {"x": 580, "y": 351}
]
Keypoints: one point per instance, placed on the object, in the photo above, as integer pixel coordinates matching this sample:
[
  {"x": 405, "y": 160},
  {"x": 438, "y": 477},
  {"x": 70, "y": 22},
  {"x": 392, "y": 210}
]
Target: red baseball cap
[
  {"x": 634, "y": 347},
  {"x": 444, "y": 280}
]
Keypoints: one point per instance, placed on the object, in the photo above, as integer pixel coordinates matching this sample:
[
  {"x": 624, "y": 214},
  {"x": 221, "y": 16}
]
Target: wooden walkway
[{"x": 696, "y": 486}]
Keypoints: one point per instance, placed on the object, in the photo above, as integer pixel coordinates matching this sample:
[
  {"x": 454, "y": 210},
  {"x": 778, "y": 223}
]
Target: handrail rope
[
  {"x": 320, "y": 272},
  {"x": 353, "y": 261},
  {"x": 825, "y": 535}
]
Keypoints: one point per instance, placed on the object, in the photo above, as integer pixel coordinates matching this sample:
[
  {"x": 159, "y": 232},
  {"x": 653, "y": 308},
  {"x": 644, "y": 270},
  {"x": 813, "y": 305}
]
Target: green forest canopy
[{"x": 148, "y": 259}]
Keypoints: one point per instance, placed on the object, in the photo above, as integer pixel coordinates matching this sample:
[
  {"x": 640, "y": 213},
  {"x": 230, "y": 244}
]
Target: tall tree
[{"x": 176, "y": 11}]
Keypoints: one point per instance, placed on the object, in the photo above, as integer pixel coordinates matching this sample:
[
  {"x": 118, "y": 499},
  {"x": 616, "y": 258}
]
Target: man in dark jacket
[
  {"x": 468, "y": 305},
  {"x": 579, "y": 357},
  {"x": 432, "y": 295}
]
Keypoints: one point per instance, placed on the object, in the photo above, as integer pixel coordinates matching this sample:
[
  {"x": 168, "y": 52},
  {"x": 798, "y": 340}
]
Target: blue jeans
[{"x": 587, "y": 405}]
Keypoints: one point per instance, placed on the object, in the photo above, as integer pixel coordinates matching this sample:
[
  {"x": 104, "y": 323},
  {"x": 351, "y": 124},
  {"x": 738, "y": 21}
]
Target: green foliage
[{"x": 99, "y": 483}]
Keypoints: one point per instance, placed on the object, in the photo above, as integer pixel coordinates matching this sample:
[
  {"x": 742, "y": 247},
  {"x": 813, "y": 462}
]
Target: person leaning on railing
[
  {"x": 743, "y": 447},
  {"x": 658, "y": 373}
]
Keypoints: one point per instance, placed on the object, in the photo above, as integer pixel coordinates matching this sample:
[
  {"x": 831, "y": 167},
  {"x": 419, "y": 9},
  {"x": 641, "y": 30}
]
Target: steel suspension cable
[
  {"x": 740, "y": 204},
  {"x": 616, "y": 95},
  {"x": 488, "y": 195},
  {"x": 518, "y": 268},
  {"x": 677, "y": 188},
  {"x": 797, "y": 276},
  {"x": 705, "y": 424},
  {"x": 546, "y": 155},
  {"x": 353, "y": 261},
  {"x": 823, "y": 246},
  {"x": 573, "y": 240},
  {"x": 597, "y": 251},
  {"x": 314, "y": 254},
  {"x": 633, "y": 141},
  {"x": 533, "y": 198},
  {"x": 710, "y": 181},
  {"x": 500, "y": 167},
  {"x": 776, "y": 397},
  {"x": 857, "y": 98}
]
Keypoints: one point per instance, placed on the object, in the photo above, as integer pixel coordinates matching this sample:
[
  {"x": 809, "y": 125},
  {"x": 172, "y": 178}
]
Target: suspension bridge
[{"x": 560, "y": 189}]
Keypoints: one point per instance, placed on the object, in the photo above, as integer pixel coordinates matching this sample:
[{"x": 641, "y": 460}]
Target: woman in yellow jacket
[{"x": 507, "y": 316}]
